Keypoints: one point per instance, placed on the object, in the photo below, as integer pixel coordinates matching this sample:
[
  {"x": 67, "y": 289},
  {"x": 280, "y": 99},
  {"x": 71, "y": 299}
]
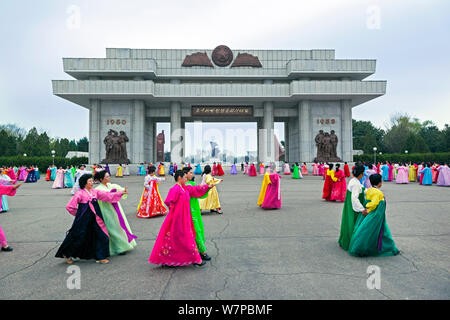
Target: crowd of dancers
[{"x": 100, "y": 228}]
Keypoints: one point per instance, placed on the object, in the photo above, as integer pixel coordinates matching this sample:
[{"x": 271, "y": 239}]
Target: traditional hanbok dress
[
  {"x": 48, "y": 176},
  {"x": 175, "y": 244},
  {"x": 220, "y": 171},
  {"x": 5, "y": 191},
  {"x": 151, "y": 204},
  {"x": 252, "y": 170},
  {"x": 316, "y": 169},
  {"x": 121, "y": 238},
  {"x": 328, "y": 185},
  {"x": 37, "y": 173},
  {"x": 353, "y": 205},
  {"x": 412, "y": 173},
  {"x": 12, "y": 175},
  {"x": 212, "y": 201},
  {"x": 367, "y": 174},
  {"x": 444, "y": 176},
  {"x": 214, "y": 170},
  {"x": 246, "y": 169},
  {"x": 106, "y": 169},
  {"x": 53, "y": 173},
  {"x": 402, "y": 175},
  {"x": 4, "y": 181},
  {"x": 68, "y": 179},
  {"x": 171, "y": 170},
  {"x": 31, "y": 176},
  {"x": 391, "y": 173},
  {"x": 88, "y": 237},
  {"x": 272, "y": 196},
  {"x": 339, "y": 188},
  {"x": 304, "y": 170},
  {"x": 395, "y": 171},
  {"x": 287, "y": 169},
  {"x": 261, "y": 168},
  {"x": 73, "y": 171},
  {"x": 23, "y": 174},
  {"x": 371, "y": 235},
  {"x": 126, "y": 170},
  {"x": 198, "y": 169},
  {"x": 140, "y": 170},
  {"x": 233, "y": 169},
  {"x": 321, "y": 169},
  {"x": 296, "y": 173},
  {"x": 385, "y": 171},
  {"x": 434, "y": 174},
  {"x": 59, "y": 180},
  {"x": 325, "y": 171},
  {"x": 119, "y": 172},
  {"x": 197, "y": 220},
  {"x": 427, "y": 176},
  {"x": 161, "y": 170},
  {"x": 175, "y": 167}
]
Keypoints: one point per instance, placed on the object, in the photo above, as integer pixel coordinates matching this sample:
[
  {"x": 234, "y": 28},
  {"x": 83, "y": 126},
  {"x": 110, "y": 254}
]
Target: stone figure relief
[
  {"x": 326, "y": 146},
  {"x": 115, "y": 145}
]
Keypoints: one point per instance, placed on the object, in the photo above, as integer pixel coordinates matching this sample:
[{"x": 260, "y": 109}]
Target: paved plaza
[{"x": 290, "y": 253}]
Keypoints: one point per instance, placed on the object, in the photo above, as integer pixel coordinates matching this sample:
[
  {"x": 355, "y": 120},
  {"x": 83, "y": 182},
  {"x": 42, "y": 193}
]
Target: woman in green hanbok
[
  {"x": 353, "y": 205},
  {"x": 371, "y": 235},
  {"x": 197, "y": 216},
  {"x": 296, "y": 173},
  {"x": 121, "y": 238}
]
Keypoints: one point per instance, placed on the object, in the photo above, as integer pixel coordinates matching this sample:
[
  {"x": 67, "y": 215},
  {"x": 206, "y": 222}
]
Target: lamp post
[
  {"x": 375, "y": 155},
  {"x": 53, "y": 156},
  {"x": 24, "y": 154}
]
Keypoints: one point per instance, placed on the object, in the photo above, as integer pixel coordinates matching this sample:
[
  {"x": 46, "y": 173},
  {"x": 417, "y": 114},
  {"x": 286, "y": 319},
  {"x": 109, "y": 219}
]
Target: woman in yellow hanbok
[
  {"x": 412, "y": 173},
  {"x": 119, "y": 172},
  {"x": 211, "y": 202},
  {"x": 161, "y": 169}
]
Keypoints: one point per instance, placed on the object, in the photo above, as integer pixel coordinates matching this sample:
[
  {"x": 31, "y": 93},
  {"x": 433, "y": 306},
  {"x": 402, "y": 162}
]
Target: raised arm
[
  {"x": 106, "y": 196},
  {"x": 197, "y": 191}
]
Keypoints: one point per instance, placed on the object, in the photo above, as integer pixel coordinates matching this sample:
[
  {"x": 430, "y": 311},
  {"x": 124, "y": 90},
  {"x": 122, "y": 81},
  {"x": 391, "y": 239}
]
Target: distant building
[{"x": 77, "y": 154}]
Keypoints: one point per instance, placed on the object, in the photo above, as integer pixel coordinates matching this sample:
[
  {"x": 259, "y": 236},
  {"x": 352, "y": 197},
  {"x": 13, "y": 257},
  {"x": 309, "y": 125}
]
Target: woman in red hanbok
[
  {"x": 434, "y": 173},
  {"x": 49, "y": 173},
  {"x": 151, "y": 204},
  {"x": 214, "y": 170},
  {"x": 220, "y": 171},
  {"x": 328, "y": 184},
  {"x": 346, "y": 170},
  {"x": 175, "y": 244},
  {"x": 339, "y": 188},
  {"x": 252, "y": 170}
]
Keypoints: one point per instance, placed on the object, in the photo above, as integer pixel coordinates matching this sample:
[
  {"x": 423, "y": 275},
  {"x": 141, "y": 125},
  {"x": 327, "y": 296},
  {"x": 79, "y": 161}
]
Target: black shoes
[
  {"x": 200, "y": 264},
  {"x": 7, "y": 249},
  {"x": 205, "y": 256}
]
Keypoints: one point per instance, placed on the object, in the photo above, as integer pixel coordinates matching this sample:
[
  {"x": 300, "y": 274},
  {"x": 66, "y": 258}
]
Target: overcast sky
[{"x": 409, "y": 40}]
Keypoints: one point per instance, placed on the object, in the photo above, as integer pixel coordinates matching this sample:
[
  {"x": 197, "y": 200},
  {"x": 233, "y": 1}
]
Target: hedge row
[
  {"x": 42, "y": 162},
  {"x": 402, "y": 157}
]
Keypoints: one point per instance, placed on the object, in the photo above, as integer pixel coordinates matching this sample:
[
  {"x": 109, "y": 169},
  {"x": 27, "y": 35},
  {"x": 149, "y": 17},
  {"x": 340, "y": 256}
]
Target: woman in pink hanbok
[
  {"x": 339, "y": 188},
  {"x": 261, "y": 168},
  {"x": 304, "y": 169},
  {"x": 321, "y": 169},
  {"x": 175, "y": 244},
  {"x": 391, "y": 172},
  {"x": 402, "y": 174},
  {"x": 246, "y": 168},
  {"x": 22, "y": 174},
  {"x": 434, "y": 173},
  {"x": 315, "y": 169},
  {"x": 286, "y": 169},
  {"x": 59, "y": 180},
  {"x": 272, "y": 198}
]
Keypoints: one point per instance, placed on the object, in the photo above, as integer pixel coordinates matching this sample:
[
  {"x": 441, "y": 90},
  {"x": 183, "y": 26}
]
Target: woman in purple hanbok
[
  {"x": 443, "y": 179},
  {"x": 233, "y": 169}
]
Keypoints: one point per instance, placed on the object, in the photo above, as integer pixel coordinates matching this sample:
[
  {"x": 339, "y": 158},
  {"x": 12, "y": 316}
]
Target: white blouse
[{"x": 355, "y": 187}]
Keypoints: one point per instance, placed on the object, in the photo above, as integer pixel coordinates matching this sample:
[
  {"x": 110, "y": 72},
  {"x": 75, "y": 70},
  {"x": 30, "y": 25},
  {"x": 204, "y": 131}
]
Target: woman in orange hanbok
[{"x": 151, "y": 203}]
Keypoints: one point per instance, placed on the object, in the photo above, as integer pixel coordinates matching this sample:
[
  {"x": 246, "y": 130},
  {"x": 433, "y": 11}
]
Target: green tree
[
  {"x": 83, "y": 145},
  {"x": 366, "y": 136},
  {"x": 30, "y": 144}
]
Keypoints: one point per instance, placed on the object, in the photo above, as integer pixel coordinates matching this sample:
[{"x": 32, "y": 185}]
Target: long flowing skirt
[
  {"x": 371, "y": 235},
  {"x": 348, "y": 220},
  {"x": 4, "y": 203},
  {"x": 31, "y": 177},
  {"x": 151, "y": 204},
  {"x": 68, "y": 180},
  {"x": 233, "y": 169},
  {"x": 85, "y": 240}
]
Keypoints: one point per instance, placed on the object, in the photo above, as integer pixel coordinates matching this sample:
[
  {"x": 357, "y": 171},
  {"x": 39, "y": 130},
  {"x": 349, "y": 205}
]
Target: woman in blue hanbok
[
  {"x": 171, "y": 169},
  {"x": 68, "y": 178},
  {"x": 198, "y": 169},
  {"x": 53, "y": 173},
  {"x": 427, "y": 175},
  {"x": 385, "y": 171},
  {"x": 31, "y": 177}
]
